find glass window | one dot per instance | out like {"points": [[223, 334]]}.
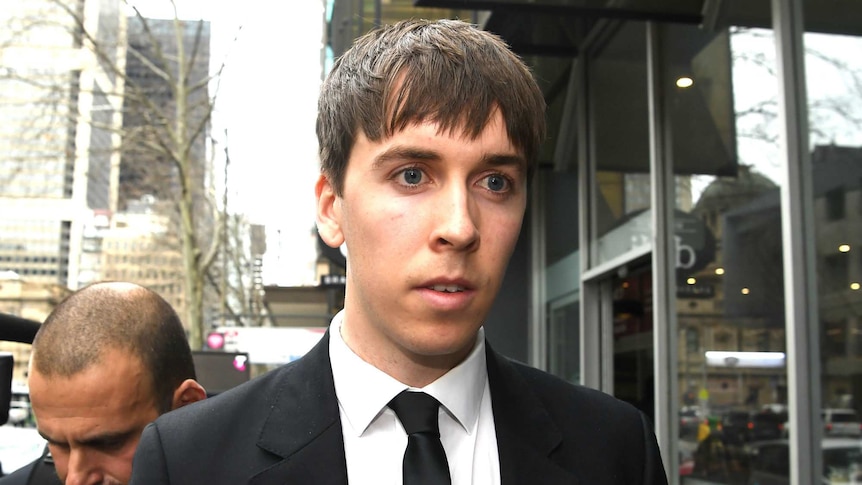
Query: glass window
{"points": [[562, 271], [619, 131], [834, 90], [719, 92]]}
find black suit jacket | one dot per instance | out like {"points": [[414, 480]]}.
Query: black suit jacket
{"points": [[284, 428], [38, 472], [19, 476]]}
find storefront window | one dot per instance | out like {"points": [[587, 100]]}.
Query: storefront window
{"points": [[719, 90], [620, 188], [834, 84], [562, 283]]}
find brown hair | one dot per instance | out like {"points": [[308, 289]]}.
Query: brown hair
{"points": [[115, 315], [446, 71]]}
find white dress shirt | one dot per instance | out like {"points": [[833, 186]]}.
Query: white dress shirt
{"points": [[374, 440]]}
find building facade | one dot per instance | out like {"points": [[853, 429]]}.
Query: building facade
{"points": [[30, 300], [157, 67], [138, 245], [692, 237], [60, 109]]}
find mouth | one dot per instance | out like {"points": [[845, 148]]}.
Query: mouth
{"points": [[447, 288], [447, 294]]}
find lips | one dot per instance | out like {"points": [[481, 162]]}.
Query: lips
{"points": [[447, 294], [447, 288], [447, 285]]}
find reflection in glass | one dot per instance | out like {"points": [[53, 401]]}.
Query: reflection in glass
{"points": [[834, 83], [620, 134], [562, 260], [632, 338], [729, 276]]}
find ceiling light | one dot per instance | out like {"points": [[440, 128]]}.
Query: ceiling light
{"points": [[718, 358], [684, 82], [844, 248]]}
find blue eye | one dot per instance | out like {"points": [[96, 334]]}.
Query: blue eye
{"points": [[496, 183], [412, 176]]}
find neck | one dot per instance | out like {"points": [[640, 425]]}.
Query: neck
{"points": [[414, 369]]}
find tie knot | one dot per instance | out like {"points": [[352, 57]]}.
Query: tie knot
{"points": [[417, 412]]}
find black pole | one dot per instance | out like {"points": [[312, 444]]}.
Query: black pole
{"points": [[17, 329]]}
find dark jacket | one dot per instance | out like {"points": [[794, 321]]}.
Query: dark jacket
{"points": [[38, 472], [284, 428]]}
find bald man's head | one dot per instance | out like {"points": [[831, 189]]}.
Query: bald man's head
{"points": [[116, 315]]}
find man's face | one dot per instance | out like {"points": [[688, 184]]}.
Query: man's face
{"points": [[94, 419], [430, 220]]}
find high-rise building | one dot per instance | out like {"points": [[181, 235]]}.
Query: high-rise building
{"points": [[59, 111], [138, 245], [155, 65]]}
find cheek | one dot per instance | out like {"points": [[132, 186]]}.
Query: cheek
{"points": [[119, 465], [61, 460], [381, 229], [503, 231]]}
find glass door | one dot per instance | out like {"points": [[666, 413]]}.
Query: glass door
{"points": [[631, 339]]}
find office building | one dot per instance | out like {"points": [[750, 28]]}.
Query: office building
{"points": [[60, 110]]}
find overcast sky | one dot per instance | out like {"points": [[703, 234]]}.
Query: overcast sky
{"points": [[267, 103]]}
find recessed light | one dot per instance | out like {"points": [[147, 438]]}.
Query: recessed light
{"points": [[684, 82]]}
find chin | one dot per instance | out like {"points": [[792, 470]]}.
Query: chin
{"points": [[445, 345]]}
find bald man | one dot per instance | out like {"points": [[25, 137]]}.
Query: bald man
{"points": [[108, 360]]}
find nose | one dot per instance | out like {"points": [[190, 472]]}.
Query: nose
{"points": [[80, 471], [457, 226]]}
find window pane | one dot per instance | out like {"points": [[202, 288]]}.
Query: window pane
{"points": [[618, 110], [834, 83], [720, 105]]}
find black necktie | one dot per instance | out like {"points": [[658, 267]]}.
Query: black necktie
{"points": [[424, 459]]}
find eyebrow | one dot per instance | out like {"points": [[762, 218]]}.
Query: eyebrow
{"points": [[401, 152], [97, 441], [500, 160], [413, 153]]}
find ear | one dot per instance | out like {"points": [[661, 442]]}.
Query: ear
{"points": [[328, 213], [188, 392]]}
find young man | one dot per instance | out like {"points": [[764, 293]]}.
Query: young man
{"points": [[107, 361], [428, 133]]}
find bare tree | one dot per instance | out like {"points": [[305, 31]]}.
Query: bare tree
{"points": [[168, 111], [830, 111], [35, 97], [168, 95], [237, 277]]}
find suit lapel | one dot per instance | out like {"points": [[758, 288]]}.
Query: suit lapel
{"points": [[303, 425], [526, 434], [306, 432]]}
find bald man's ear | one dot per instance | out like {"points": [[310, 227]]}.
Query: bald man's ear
{"points": [[188, 392]]}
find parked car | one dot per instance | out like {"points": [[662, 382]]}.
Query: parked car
{"points": [[739, 427], [767, 425], [19, 412], [841, 422], [735, 427], [690, 418], [842, 462]]}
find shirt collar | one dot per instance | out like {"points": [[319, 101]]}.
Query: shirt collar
{"points": [[364, 391]]}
